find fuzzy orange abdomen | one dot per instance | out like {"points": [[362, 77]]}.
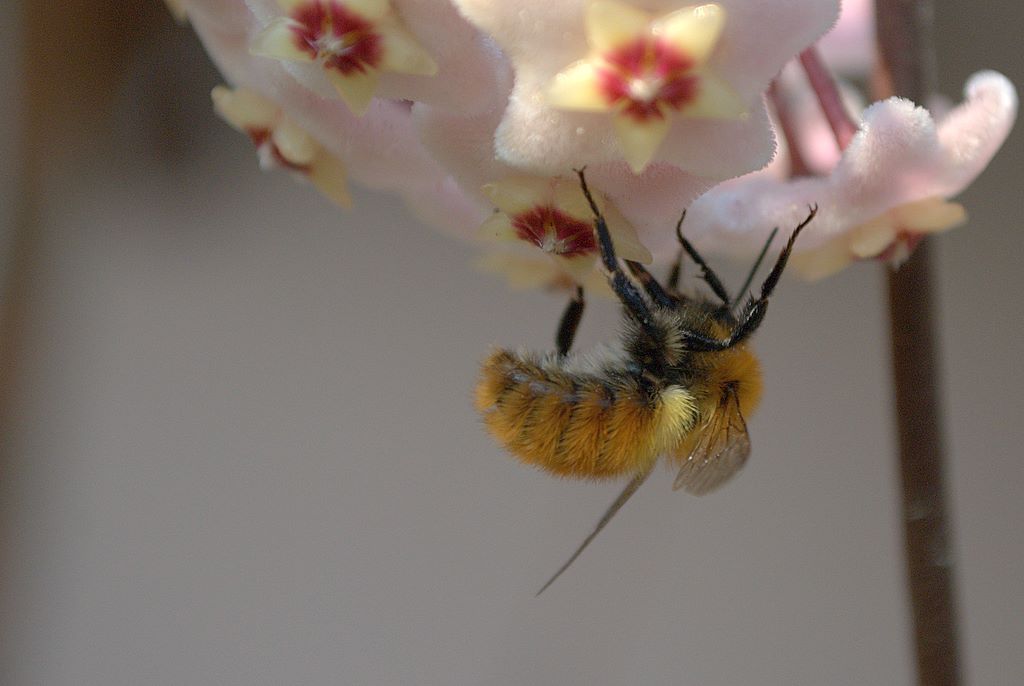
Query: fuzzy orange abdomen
{"points": [[579, 425]]}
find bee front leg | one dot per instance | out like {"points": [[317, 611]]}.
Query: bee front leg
{"points": [[651, 285], [631, 298], [706, 272]]}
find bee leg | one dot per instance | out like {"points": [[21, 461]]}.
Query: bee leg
{"points": [[569, 323], [672, 283], [757, 265], [753, 312], [651, 285], [631, 298], [706, 272]]}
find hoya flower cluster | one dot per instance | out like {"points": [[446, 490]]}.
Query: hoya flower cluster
{"points": [[476, 112]]}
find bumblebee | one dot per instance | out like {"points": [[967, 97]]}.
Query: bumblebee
{"points": [[680, 385]]}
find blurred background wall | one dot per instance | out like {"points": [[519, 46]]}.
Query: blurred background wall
{"points": [[238, 446]]}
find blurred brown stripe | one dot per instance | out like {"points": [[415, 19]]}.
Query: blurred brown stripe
{"points": [[72, 56]]}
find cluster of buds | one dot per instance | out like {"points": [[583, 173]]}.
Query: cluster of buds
{"points": [[476, 112]]}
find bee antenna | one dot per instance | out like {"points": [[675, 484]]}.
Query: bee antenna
{"points": [[757, 265]]}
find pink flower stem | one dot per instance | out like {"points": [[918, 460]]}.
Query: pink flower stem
{"points": [[824, 86], [908, 69], [784, 113]]}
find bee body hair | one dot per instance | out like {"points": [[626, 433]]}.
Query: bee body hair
{"points": [[597, 417]]}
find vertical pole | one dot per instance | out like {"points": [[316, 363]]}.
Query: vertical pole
{"points": [[908, 70]]}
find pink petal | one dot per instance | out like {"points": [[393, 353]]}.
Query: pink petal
{"points": [[652, 202], [379, 150], [463, 145], [972, 133], [442, 204], [849, 47], [899, 156], [470, 68], [535, 137], [760, 37], [541, 38]]}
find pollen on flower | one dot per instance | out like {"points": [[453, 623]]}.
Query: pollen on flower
{"points": [[351, 41]]}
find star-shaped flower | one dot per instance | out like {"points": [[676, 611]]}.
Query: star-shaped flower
{"points": [[886, 191], [280, 143], [645, 70], [543, 39], [352, 41], [554, 215]]}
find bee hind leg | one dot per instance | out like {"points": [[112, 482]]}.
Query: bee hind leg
{"points": [[569, 323]]}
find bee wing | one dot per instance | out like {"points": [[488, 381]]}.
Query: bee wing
{"points": [[721, 450]]}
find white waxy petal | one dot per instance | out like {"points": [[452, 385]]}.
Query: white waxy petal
{"points": [[403, 54], [533, 270], [328, 175], [277, 40], [822, 262], [521, 271], [290, 6], [694, 31], [579, 267], [518, 194], [931, 215], [611, 24], [627, 243], [368, 9], [498, 227], [244, 109], [873, 238], [356, 88], [294, 144], [715, 100], [576, 88], [640, 140], [568, 197]]}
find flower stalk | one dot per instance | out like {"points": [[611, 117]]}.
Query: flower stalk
{"points": [[787, 125], [824, 87], [908, 69]]}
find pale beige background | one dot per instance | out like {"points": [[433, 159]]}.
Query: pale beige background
{"points": [[246, 452]]}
